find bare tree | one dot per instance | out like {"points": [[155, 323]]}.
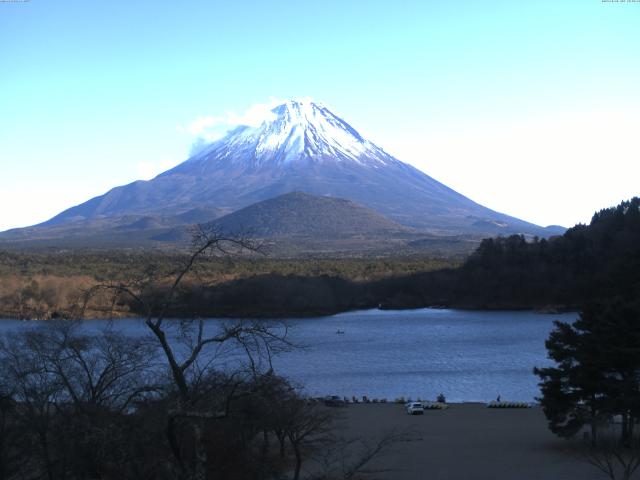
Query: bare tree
{"points": [[616, 459], [307, 427], [11, 435], [107, 370], [184, 354], [354, 458], [68, 392], [35, 391]]}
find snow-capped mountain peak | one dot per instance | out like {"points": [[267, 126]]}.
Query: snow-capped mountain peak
{"points": [[300, 147], [299, 130]]}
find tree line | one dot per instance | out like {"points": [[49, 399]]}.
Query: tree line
{"points": [[49, 285], [592, 261], [588, 261]]}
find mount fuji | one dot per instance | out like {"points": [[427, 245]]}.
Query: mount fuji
{"points": [[302, 147]]}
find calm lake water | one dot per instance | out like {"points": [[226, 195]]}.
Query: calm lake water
{"points": [[467, 355]]}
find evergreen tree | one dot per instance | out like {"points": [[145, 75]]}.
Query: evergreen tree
{"points": [[598, 370]]}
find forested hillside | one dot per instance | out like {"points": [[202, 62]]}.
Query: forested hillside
{"points": [[589, 262], [598, 260]]}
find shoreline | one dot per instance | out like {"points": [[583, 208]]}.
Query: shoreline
{"points": [[287, 314]]}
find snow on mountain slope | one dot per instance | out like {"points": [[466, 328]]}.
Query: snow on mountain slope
{"points": [[298, 131], [302, 147]]}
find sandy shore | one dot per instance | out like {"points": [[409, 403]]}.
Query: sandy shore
{"points": [[469, 442]]}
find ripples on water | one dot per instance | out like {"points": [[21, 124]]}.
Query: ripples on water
{"points": [[467, 355]]}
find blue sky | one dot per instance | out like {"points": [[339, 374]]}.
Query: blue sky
{"points": [[529, 107]]}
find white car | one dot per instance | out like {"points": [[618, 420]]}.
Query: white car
{"points": [[415, 408]]}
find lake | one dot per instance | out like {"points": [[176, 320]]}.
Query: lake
{"points": [[466, 355]]}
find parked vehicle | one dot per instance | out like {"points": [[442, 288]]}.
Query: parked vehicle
{"points": [[415, 408]]}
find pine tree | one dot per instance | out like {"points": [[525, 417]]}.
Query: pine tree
{"points": [[597, 372]]}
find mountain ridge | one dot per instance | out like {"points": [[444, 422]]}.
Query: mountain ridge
{"points": [[302, 147]]}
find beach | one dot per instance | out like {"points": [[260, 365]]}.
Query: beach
{"points": [[468, 441]]}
